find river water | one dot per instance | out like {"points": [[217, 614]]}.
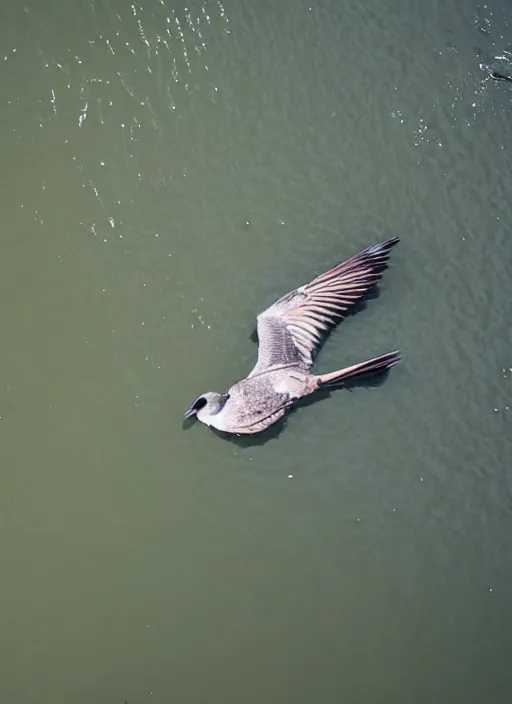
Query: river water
{"points": [[169, 169]]}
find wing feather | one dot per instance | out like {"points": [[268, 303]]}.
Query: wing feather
{"points": [[291, 331]]}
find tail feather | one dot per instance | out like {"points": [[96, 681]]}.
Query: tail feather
{"points": [[376, 365]]}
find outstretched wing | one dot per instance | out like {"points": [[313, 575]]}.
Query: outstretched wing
{"points": [[291, 330]]}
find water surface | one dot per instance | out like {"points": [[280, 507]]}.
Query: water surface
{"points": [[168, 170]]}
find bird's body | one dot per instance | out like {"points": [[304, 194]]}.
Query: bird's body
{"points": [[290, 333], [255, 403]]}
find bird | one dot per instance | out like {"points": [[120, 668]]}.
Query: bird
{"points": [[290, 334]]}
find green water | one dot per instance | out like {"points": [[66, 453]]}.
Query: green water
{"points": [[167, 171]]}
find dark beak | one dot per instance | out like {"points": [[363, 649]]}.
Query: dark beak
{"points": [[191, 412]]}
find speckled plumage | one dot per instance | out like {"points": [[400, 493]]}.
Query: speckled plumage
{"points": [[290, 333]]}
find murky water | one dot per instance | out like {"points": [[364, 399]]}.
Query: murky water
{"points": [[167, 171]]}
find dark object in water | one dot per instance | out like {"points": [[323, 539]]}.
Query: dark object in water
{"points": [[498, 76]]}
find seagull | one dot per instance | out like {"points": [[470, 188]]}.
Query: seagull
{"points": [[290, 333]]}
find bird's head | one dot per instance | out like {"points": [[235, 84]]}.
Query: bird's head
{"points": [[206, 405]]}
